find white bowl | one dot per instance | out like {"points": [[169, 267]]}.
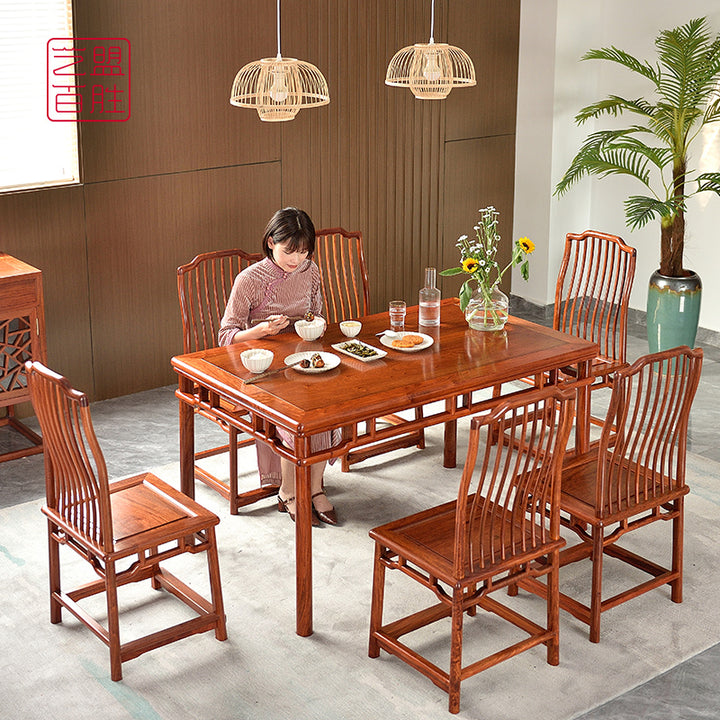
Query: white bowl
{"points": [[310, 329], [350, 328], [257, 360]]}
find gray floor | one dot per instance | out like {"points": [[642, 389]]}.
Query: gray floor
{"points": [[147, 423]]}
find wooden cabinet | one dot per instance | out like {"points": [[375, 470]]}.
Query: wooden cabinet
{"points": [[22, 338]]}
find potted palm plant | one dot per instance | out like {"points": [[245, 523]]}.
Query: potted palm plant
{"points": [[655, 150]]}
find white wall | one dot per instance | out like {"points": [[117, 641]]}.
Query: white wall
{"points": [[552, 86]]}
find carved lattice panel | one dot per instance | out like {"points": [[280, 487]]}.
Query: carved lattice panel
{"points": [[15, 350]]}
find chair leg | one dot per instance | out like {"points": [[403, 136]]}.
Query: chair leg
{"points": [[678, 530], [232, 452], [215, 585], [154, 582], [421, 433], [472, 610], [378, 599], [54, 574], [113, 621], [455, 674], [512, 588], [596, 590], [553, 609]]}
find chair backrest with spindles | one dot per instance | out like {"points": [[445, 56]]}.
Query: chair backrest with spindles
{"points": [[345, 290], [592, 293], [76, 480], [643, 443], [204, 286], [511, 478]]}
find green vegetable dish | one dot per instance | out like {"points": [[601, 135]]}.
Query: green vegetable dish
{"points": [[359, 349]]}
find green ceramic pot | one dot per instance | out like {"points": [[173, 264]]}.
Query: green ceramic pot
{"points": [[673, 310]]}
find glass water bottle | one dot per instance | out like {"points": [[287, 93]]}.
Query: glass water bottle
{"points": [[429, 300]]}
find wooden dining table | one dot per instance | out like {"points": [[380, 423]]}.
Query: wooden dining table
{"points": [[441, 380]]}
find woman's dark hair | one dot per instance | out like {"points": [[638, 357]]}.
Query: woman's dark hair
{"points": [[291, 226]]}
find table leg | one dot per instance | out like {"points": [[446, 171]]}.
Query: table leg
{"points": [[450, 454], [582, 411], [187, 443], [303, 551]]}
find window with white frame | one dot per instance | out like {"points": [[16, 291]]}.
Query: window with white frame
{"points": [[34, 150]]}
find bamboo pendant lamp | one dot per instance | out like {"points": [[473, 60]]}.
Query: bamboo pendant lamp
{"points": [[279, 87], [431, 70]]}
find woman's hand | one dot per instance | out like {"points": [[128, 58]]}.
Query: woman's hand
{"points": [[271, 326], [274, 324]]}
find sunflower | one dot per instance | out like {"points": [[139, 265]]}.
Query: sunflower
{"points": [[526, 245], [470, 265]]}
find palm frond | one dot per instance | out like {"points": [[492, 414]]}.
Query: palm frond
{"points": [[614, 105], [712, 111], [610, 152], [623, 58], [661, 157], [640, 209], [710, 182], [686, 77]]}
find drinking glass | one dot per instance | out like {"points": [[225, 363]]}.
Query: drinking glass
{"points": [[397, 315]]}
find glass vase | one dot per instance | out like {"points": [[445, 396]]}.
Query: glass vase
{"points": [[487, 310]]}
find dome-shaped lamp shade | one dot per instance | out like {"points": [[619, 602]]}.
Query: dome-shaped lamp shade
{"points": [[430, 70], [279, 87]]}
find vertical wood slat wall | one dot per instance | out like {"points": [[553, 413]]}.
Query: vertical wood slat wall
{"points": [[190, 173]]}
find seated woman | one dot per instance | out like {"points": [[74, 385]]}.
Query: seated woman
{"points": [[284, 284]]}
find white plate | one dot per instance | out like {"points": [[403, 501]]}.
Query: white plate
{"points": [[388, 341], [331, 361], [352, 341]]}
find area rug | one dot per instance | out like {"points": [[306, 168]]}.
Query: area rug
{"points": [[264, 670]]}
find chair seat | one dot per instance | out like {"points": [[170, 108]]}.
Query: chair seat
{"points": [[147, 511], [600, 368], [579, 491], [427, 539]]}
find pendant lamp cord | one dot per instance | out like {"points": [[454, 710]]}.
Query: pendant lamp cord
{"points": [[432, 22], [279, 56]]}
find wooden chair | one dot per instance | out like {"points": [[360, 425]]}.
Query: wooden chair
{"points": [[124, 529], [592, 296], [345, 287], [485, 540], [346, 295], [204, 286], [636, 476]]}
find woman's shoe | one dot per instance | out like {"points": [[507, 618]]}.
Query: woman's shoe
{"points": [[283, 508], [327, 516]]}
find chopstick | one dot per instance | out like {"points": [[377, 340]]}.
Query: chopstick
{"points": [[268, 373], [255, 321]]}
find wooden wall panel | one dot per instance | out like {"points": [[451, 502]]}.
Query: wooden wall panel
{"points": [[184, 58], [45, 229], [486, 165], [139, 232], [490, 33]]}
